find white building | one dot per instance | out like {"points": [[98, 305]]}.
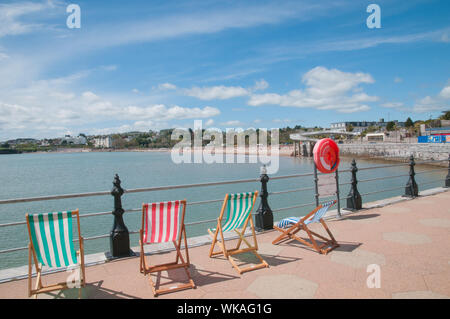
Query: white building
{"points": [[103, 142], [79, 140]]}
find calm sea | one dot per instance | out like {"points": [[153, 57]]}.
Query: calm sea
{"points": [[29, 175]]}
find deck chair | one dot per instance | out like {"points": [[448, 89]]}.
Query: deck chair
{"points": [[290, 226], [164, 222], [239, 214], [51, 244]]}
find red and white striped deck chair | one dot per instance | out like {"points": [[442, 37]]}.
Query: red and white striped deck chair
{"points": [[164, 222]]}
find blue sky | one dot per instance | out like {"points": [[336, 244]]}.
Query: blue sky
{"points": [[141, 65]]}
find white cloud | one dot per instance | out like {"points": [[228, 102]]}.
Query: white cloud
{"points": [[445, 93], [222, 92], [440, 102], [216, 92], [51, 108], [392, 104], [3, 56], [445, 37], [234, 123], [203, 20], [325, 90], [209, 122], [89, 96], [361, 108], [166, 86], [260, 85], [11, 14], [109, 67]]}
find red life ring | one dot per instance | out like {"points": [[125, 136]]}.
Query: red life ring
{"points": [[326, 155]]}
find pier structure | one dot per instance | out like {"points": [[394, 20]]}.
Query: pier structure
{"points": [[304, 142]]}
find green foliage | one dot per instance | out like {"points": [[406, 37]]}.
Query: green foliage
{"points": [[390, 126], [409, 122], [445, 116]]}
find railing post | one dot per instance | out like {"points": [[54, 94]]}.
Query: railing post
{"points": [[447, 179], [316, 185], [338, 197], [119, 236], [263, 215], [411, 189], [354, 201]]}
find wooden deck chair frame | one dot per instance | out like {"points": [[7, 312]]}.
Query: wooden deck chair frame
{"points": [[291, 233], [179, 262], [32, 257], [229, 253]]}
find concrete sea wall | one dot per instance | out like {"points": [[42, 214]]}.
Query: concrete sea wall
{"points": [[398, 150]]}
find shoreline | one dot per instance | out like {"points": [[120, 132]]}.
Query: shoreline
{"points": [[284, 150]]}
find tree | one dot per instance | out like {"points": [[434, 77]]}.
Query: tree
{"points": [[445, 116], [390, 126], [349, 128], [409, 122]]}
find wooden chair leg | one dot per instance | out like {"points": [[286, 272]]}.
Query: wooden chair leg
{"points": [[213, 243], [328, 231], [83, 266], [30, 272]]}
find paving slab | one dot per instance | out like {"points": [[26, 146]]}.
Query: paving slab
{"points": [[407, 238]]}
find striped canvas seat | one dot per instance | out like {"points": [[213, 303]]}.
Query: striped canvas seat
{"points": [[52, 239], [164, 222], [239, 207], [161, 222], [291, 226], [286, 222]]}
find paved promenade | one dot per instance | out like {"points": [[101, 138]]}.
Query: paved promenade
{"points": [[409, 240]]}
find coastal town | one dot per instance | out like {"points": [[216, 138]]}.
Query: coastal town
{"points": [[381, 131]]}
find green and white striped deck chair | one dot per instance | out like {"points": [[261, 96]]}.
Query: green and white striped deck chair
{"points": [[238, 208], [51, 245]]}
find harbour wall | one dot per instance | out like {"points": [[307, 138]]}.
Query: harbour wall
{"points": [[425, 151]]}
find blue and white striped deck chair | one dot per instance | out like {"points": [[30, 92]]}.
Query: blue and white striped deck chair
{"points": [[51, 245], [290, 226], [238, 208]]}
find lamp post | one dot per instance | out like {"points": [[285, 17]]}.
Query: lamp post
{"points": [[264, 216], [119, 238], [354, 201], [447, 178], [411, 188]]}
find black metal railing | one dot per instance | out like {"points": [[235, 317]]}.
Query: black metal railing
{"points": [[119, 235]]}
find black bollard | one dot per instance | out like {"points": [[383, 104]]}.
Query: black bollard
{"points": [[354, 201], [447, 179], [411, 189], [263, 215], [119, 236]]}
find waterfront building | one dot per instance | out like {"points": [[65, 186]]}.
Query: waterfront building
{"points": [[19, 141], [79, 140], [375, 137], [103, 142], [361, 126]]}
